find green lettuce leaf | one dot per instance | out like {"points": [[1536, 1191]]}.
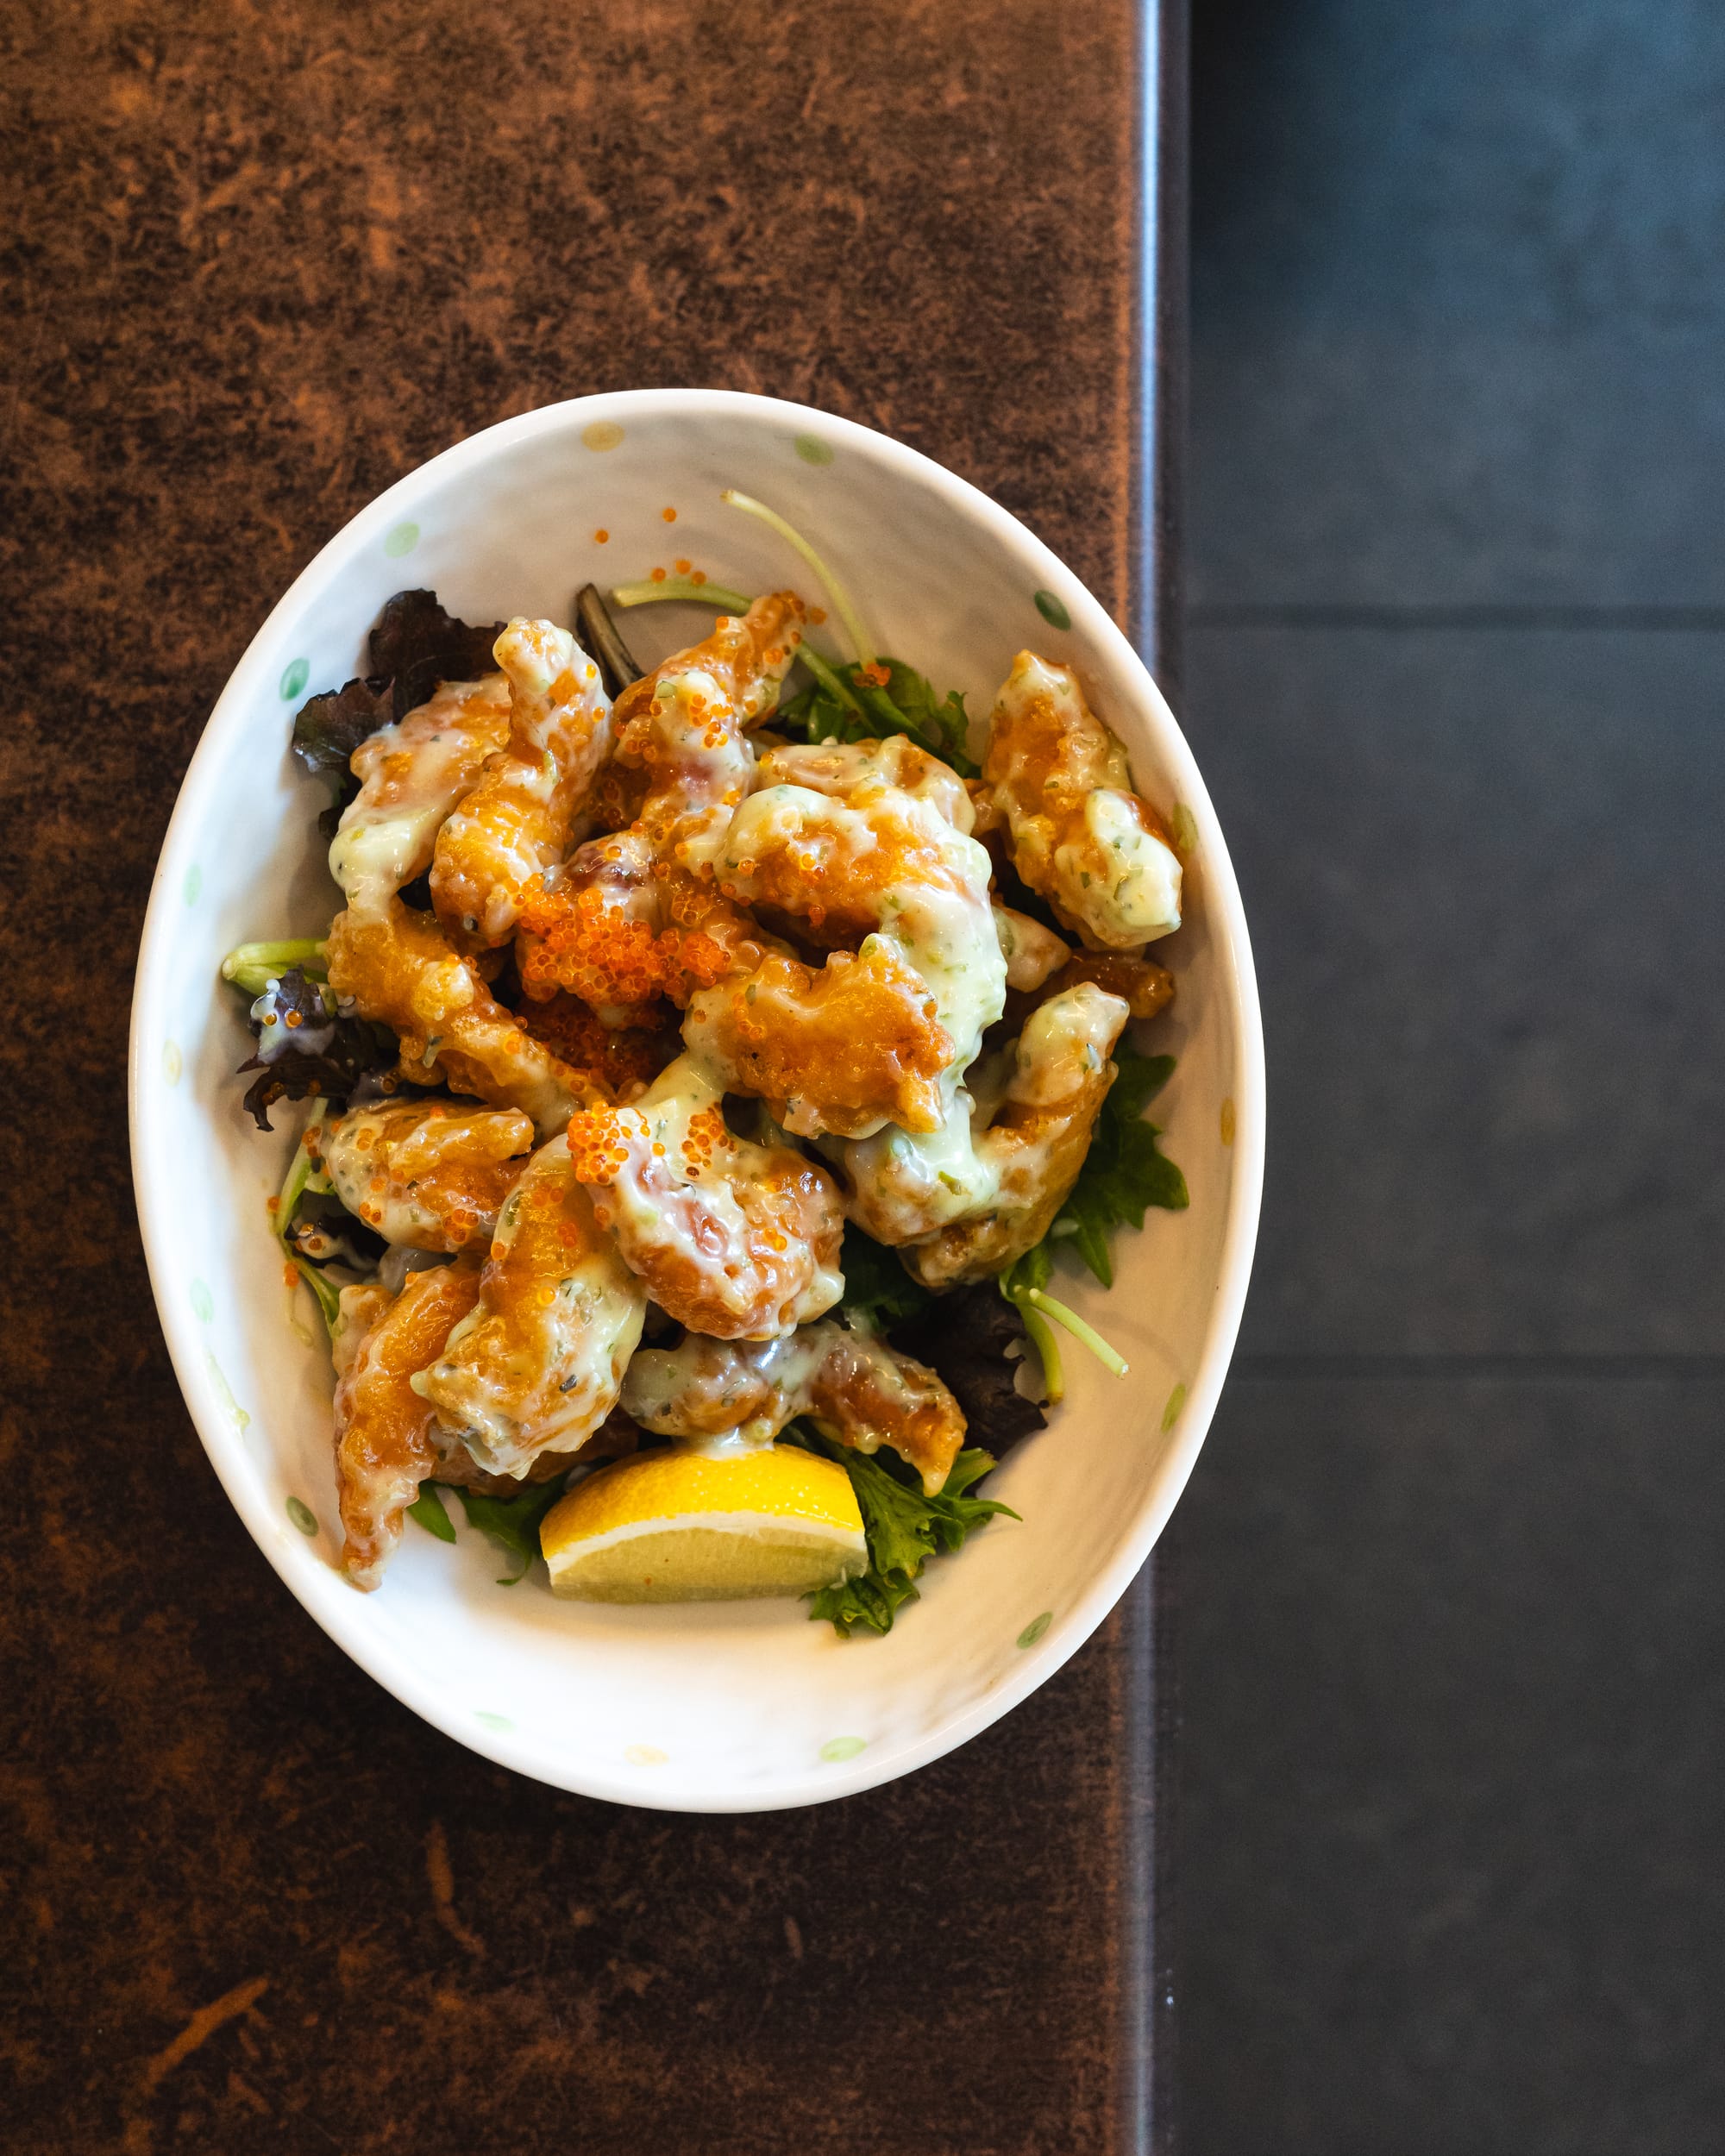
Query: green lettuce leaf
{"points": [[879, 1293], [1125, 1171], [904, 1526], [428, 1509], [512, 1523], [845, 703]]}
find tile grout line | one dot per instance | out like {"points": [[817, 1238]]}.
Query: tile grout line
{"points": [[1650, 619], [1497, 1369]]}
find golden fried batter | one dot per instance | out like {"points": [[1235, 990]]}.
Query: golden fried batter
{"points": [[869, 1036], [401, 969], [423, 1173], [1143, 986], [686, 723], [1033, 1150], [384, 1448], [411, 775], [855, 1388], [613, 928], [536, 1366], [841, 1050], [733, 1239], [1081, 837]]}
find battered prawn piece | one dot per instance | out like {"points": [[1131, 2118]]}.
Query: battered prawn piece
{"points": [[384, 1444], [1143, 986], [855, 1389], [411, 775], [401, 969], [610, 929], [422, 1173], [1081, 837], [1032, 952], [845, 768], [886, 865], [686, 723], [519, 819], [357, 1310], [843, 1050], [732, 1239], [536, 1365], [974, 1195]]}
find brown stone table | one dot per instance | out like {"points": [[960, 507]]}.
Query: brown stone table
{"points": [[262, 257]]}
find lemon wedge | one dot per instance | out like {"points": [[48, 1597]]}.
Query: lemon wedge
{"points": [[671, 1526]]}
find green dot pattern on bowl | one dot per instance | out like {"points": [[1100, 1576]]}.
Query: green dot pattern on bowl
{"points": [[302, 1515], [1034, 1630], [813, 450], [402, 539], [602, 433], [202, 1302], [1170, 1414], [1053, 608], [294, 679], [645, 1755], [837, 1748], [193, 889], [171, 1061], [492, 1721]]}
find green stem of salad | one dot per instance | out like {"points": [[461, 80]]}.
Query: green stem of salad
{"points": [[254, 966], [680, 587], [301, 1177], [834, 684], [1047, 1347], [325, 1292], [1110, 1358], [298, 1175], [835, 591]]}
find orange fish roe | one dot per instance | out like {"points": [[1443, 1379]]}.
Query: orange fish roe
{"points": [[817, 614], [707, 1135], [602, 534], [658, 576], [683, 567], [876, 672], [599, 1142], [669, 516], [699, 577], [578, 941]]}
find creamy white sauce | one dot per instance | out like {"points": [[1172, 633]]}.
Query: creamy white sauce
{"points": [[412, 774], [550, 1374]]}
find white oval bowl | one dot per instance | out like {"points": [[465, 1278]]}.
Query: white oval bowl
{"points": [[715, 1708]]}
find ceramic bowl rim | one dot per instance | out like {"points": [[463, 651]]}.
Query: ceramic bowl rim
{"points": [[236, 706]]}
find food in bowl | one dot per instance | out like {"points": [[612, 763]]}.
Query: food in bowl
{"points": [[703, 1069]]}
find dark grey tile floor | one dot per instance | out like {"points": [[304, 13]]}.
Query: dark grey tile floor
{"points": [[1456, 1701], [1453, 1876]]}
